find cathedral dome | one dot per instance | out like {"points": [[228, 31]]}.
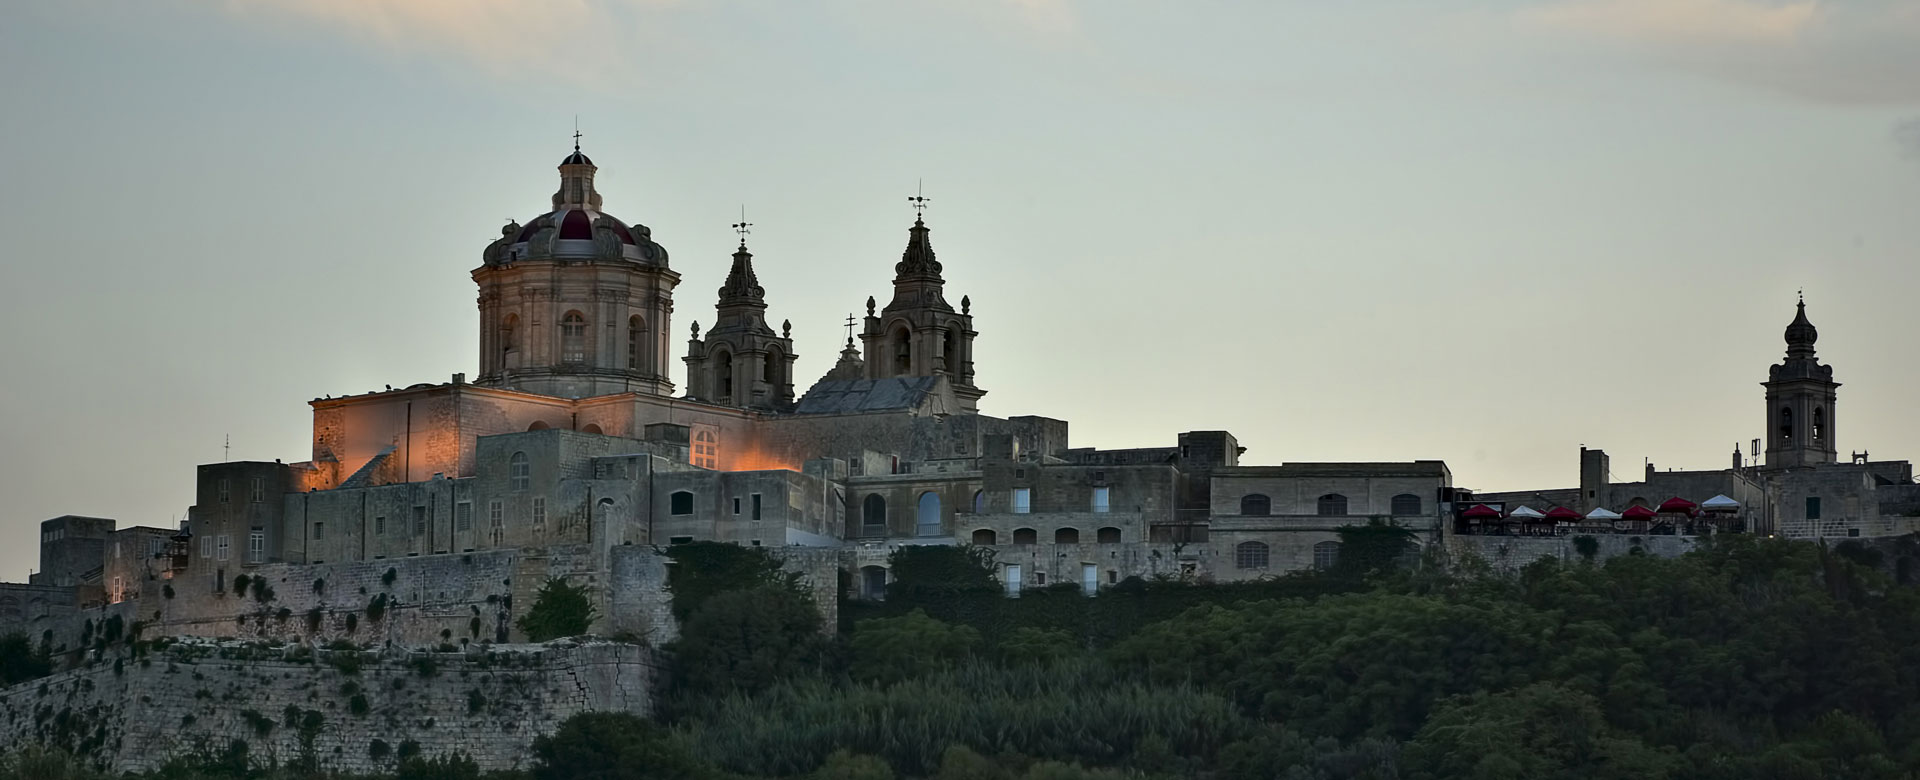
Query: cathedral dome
{"points": [[576, 159], [577, 233]]}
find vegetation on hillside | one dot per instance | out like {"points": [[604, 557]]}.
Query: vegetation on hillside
{"points": [[1749, 658]]}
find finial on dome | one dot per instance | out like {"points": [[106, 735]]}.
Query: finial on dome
{"points": [[966, 305], [919, 199], [743, 227], [1801, 334]]}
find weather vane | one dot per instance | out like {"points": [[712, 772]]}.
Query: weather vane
{"points": [[743, 227], [576, 132], [919, 200]]}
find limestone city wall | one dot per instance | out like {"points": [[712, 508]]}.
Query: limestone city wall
{"points": [[345, 710]]}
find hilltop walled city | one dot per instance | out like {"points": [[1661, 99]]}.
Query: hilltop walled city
{"points": [[571, 453]]}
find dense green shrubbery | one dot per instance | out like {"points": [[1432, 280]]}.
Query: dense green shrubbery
{"points": [[561, 609], [1749, 658]]}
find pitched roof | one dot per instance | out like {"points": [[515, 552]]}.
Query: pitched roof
{"points": [[867, 395]]}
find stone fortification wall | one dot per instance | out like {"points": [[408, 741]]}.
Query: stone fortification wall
{"points": [[353, 711], [1510, 553]]}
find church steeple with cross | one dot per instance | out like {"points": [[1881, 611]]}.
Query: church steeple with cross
{"points": [[919, 334], [742, 362]]}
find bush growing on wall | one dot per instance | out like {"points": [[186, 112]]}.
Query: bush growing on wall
{"points": [[560, 610], [703, 570]]}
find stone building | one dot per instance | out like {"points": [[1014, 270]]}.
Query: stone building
{"points": [[570, 447], [1797, 487]]}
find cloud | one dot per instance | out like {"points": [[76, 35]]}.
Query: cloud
{"points": [[582, 40], [1858, 52], [1906, 135], [1683, 21]]}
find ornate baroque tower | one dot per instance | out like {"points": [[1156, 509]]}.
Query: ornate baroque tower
{"points": [[741, 362], [1800, 395], [575, 303], [919, 333]]}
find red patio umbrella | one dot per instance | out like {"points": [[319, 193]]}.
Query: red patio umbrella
{"points": [[1481, 512], [1561, 513], [1637, 512], [1678, 506]]}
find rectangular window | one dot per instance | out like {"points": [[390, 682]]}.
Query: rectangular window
{"points": [[419, 521], [1100, 496], [259, 489], [257, 547], [496, 522], [736, 506], [756, 506], [539, 513], [1039, 578], [1022, 501], [463, 516], [206, 546], [220, 548], [379, 525], [319, 531], [223, 487], [1013, 580], [1813, 507], [680, 503], [1089, 578]]}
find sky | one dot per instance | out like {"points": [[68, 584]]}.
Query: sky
{"points": [[1484, 232]]}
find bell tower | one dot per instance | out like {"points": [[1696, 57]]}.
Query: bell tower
{"points": [[919, 334], [1800, 401], [741, 362]]}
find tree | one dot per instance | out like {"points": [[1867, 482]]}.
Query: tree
{"points": [[702, 570], [21, 661], [932, 571], [747, 640], [560, 610], [1377, 547], [614, 746], [1540, 732], [895, 649], [846, 765]]}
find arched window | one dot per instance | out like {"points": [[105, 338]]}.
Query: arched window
{"points": [[1025, 536], [1325, 555], [1819, 424], [770, 370], [590, 428], [927, 520], [510, 333], [605, 512], [1406, 504], [979, 501], [1066, 536], [1250, 555], [901, 343], [573, 338], [873, 513], [723, 375], [950, 356], [1786, 424], [519, 471], [1256, 504], [1332, 504], [680, 503], [636, 342], [1108, 535], [1640, 501], [539, 425], [985, 536], [873, 582]]}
